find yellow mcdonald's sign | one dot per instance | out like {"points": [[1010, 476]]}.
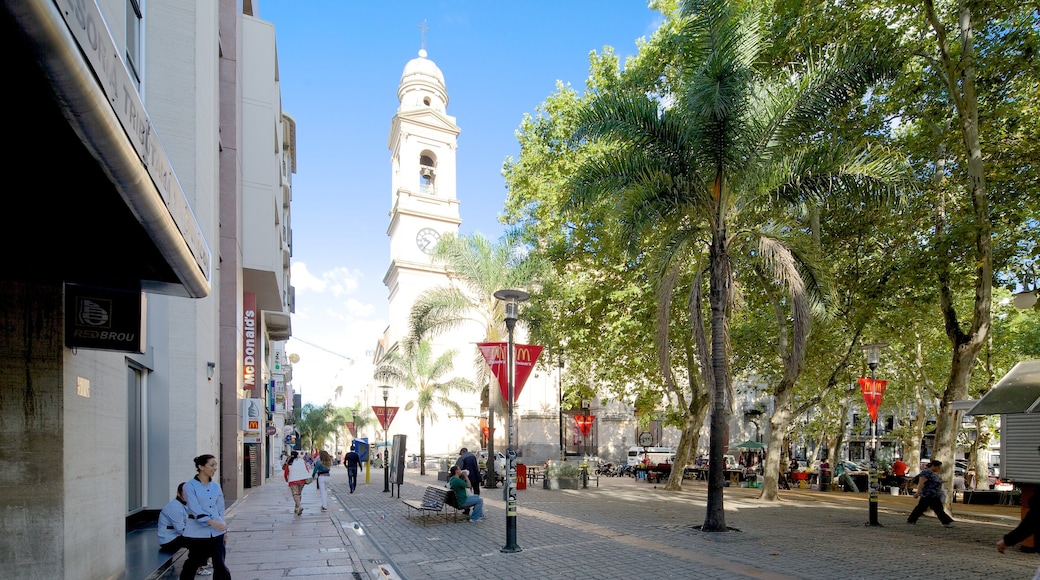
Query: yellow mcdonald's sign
{"points": [[523, 354]]}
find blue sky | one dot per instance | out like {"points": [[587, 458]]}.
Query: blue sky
{"points": [[340, 63]]}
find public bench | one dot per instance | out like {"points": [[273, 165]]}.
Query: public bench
{"points": [[433, 502]]}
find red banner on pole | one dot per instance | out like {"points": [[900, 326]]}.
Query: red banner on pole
{"points": [[495, 355], [350, 427], [584, 423], [385, 415], [873, 390]]}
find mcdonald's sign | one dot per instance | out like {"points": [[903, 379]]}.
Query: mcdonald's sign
{"points": [[526, 355]]}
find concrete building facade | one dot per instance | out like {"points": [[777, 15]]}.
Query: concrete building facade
{"points": [[146, 220]]}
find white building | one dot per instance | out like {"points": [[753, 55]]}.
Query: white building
{"points": [[152, 206]]}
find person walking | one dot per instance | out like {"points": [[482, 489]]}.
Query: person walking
{"points": [[458, 483], [296, 475], [929, 490], [173, 518], [352, 460], [322, 472], [1029, 526], [206, 530]]}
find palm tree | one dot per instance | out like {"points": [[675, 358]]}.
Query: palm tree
{"points": [[731, 140], [415, 368], [477, 268], [315, 425]]}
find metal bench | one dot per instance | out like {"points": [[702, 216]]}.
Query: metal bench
{"points": [[433, 502]]}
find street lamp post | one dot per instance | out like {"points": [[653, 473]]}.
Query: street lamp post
{"points": [[560, 379], [386, 425], [873, 351], [512, 298]]}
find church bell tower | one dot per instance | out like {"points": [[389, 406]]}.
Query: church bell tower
{"points": [[423, 203]]}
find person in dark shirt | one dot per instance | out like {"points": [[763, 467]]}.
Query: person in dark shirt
{"points": [[1029, 526], [929, 490], [468, 461], [352, 460]]}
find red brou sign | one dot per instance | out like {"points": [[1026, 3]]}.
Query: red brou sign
{"points": [[495, 356], [350, 427], [385, 415], [873, 390]]}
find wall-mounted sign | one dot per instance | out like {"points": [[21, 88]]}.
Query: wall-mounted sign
{"points": [[104, 318], [249, 350]]}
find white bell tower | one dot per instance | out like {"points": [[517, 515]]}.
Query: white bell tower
{"points": [[423, 202]]}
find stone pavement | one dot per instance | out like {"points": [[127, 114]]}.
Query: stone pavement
{"points": [[623, 529]]}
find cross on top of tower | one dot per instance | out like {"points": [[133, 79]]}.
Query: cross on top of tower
{"points": [[423, 28]]}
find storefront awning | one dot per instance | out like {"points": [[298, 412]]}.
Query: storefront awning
{"points": [[1017, 392], [100, 203]]}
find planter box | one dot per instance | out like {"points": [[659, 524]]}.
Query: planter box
{"points": [[561, 483]]}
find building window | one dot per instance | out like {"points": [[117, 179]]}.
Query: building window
{"points": [[134, 18]]}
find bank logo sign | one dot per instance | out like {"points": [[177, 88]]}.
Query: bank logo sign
{"points": [[104, 318]]}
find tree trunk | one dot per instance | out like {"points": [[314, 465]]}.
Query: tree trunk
{"points": [[422, 445], [959, 76], [719, 297]]}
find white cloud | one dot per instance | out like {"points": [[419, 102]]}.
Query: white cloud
{"points": [[339, 281]]}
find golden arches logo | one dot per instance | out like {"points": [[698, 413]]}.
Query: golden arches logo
{"points": [[523, 355]]}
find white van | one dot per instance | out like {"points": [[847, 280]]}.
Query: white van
{"points": [[656, 455]]}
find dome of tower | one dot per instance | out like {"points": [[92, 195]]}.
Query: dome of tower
{"points": [[422, 84]]}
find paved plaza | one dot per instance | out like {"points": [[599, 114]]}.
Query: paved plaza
{"points": [[622, 529]]}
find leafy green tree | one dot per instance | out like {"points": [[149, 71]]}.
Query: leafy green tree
{"points": [[477, 268], [315, 425], [733, 139], [415, 368]]}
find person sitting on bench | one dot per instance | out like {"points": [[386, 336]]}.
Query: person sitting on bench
{"points": [[458, 483], [172, 519]]}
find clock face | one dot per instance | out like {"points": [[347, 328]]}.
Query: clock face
{"points": [[426, 239]]}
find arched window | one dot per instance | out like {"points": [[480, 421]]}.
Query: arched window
{"points": [[427, 174]]}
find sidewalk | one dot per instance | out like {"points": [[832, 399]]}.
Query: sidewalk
{"points": [[622, 529]]}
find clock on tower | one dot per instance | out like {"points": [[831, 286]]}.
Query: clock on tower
{"points": [[426, 239]]}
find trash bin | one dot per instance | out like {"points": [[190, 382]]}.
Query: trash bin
{"points": [[521, 476], [825, 478]]}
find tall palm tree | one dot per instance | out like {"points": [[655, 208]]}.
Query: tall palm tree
{"points": [[415, 368], [477, 269], [731, 140]]}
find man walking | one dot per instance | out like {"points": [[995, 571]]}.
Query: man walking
{"points": [[352, 460], [1029, 526], [929, 490]]}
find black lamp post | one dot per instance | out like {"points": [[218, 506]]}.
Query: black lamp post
{"points": [[512, 298], [560, 379], [873, 351], [386, 425]]}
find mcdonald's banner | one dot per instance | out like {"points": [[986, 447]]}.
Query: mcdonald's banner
{"points": [[495, 356], [584, 423], [385, 415], [350, 427], [873, 390]]}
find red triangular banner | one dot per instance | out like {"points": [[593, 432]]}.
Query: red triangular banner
{"points": [[350, 427], [873, 390], [495, 356], [385, 415], [584, 423]]}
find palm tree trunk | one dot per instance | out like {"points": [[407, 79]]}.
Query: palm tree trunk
{"points": [[719, 291], [422, 445]]}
